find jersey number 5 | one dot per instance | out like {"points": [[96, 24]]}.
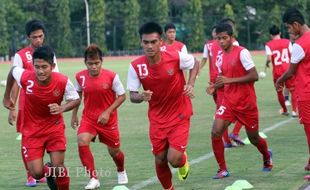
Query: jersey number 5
{"points": [[221, 110]]}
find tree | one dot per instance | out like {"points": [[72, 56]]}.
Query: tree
{"points": [[4, 45], [193, 18], [97, 20], [130, 38], [154, 10]]}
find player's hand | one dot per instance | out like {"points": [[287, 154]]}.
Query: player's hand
{"points": [[55, 109], [210, 89], [278, 86], [220, 81], [12, 117], [189, 91], [103, 118], [8, 103], [147, 95], [75, 122]]}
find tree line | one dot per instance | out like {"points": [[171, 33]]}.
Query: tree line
{"points": [[114, 24]]}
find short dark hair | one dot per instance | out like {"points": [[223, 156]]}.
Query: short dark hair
{"points": [[150, 27], [92, 51], [224, 27], [293, 15], [44, 52], [274, 30], [34, 25], [227, 21], [169, 26]]}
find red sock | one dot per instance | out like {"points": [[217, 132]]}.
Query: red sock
{"points": [[262, 148], [119, 161], [183, 161], [237, 128], [25, 162], [281, 100], [218, 150], [87, 160], [226, 137], [294, 100], [307, 132], [164, 175], [63, 179]]}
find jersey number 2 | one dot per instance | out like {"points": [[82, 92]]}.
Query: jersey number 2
{"points": [[29, 86]]}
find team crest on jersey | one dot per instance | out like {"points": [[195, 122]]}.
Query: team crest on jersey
{"points": [[163, 48], [56, 93], [105, 86], [170, 72]]}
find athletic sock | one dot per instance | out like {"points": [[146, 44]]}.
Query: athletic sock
{"points": [[87, 160], [218, 150], [63, 179], [263, 148], [282, 101], [237, 128], [119, 161], [226, 137], [164, 175], [25, 162]]}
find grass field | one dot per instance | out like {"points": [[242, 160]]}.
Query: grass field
{"points": [[286, 139]]}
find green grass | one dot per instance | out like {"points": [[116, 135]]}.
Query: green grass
{"points": [[287, 142]]}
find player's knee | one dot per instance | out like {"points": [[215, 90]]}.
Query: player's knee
{"points": [[254, 140], [114, 152], [175, 160], [215, 133], [82, 141], [160, 161], [36, 173]]}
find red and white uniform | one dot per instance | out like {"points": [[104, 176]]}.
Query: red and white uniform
{"points": [[301, 56], [239, 102], [100, 92], [23, 59], [169, 108], [41, 129], [176, 45], [280, 52]]}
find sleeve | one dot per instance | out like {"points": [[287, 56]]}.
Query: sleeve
{"points": [[298, 54], [246, 59], [17, 61], [78, 88], [290, 47], [205, 53], [187, 61], [70, 91], [56, 65], [236, 43], [117, 86], [268, 50], [133, 82], [17, 74], [184, 49]]}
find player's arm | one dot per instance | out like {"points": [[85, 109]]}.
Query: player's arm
{"points": [[72, 100], [298, 55], [268, 60], [118, 88], [204, 58], [14, 74], [74, 117]]}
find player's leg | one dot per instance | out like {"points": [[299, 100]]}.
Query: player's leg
{"points": [[59, 170], [119, 160], [87, 158], [218, 128], [177, 157], [282, 102], [290, 86], [226, 139], [287, 97], [235, 133], [160, 150]]}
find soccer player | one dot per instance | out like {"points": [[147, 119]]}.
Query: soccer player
{"points": [[103, 94], [168, 94], [44, 127], [211, 49], [299, 67], [35, 31], [237, 73], [171, 44], [278, 51]]}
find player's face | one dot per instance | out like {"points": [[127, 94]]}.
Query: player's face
{"points": [[224, 40], [171, 34], [36, 38], [43, 70], [93, 65], [151, 44], [293, 29]]}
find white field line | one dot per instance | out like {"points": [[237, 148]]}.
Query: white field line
{"points": [[154, 179]]}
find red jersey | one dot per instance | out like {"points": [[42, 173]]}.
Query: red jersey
{"points": [[99, 93], [279, 50], [168, 105], [175, 46], [301, 56], [213, 48], [38, 120], [235, 64]]}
